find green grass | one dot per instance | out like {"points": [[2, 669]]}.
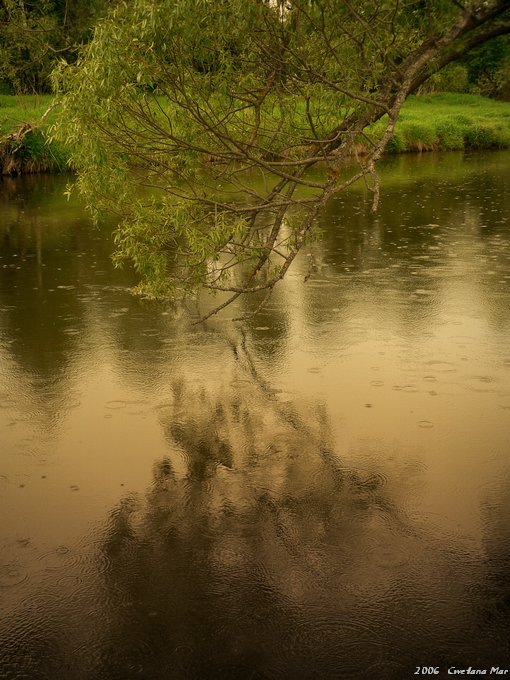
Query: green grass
{"points": [[36, 154], [445, 122], [21, 109]]}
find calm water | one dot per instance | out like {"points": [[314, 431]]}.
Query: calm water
{"points": [[320, 492]]}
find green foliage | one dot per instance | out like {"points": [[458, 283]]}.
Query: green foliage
{"points": [[34, 33], [485, 70], [169, 245], [174, 107], [397, 143], [453, 78], [37, 152], [488, 68]]}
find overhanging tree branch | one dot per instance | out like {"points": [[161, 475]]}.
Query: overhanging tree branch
{"points": [[229, 120]]}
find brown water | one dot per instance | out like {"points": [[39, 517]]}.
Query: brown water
{"points": [[320, 492]]}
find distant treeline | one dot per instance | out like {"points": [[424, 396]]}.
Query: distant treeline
{"points": [[34, 34]]}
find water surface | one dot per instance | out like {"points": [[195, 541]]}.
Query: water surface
{"points": [[321, 491]]}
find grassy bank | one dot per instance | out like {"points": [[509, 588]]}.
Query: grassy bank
{"points": [[428, 123], [24, 147], [451, 122]]}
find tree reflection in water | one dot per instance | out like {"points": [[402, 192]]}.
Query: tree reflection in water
{"points": [[258, 553]]}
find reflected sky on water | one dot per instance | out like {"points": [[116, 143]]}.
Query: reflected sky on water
{"points": [[321, 491]]}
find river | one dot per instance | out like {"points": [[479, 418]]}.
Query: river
{"points": [[319, 491]]}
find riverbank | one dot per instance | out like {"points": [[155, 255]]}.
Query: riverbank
{"points": [[441, 122], [24, 144], [451, 122]]}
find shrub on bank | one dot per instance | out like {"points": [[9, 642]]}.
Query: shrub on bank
{"points": [[450, 135], [420, 136]]}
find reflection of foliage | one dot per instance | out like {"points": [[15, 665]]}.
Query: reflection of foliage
{"points": [[258, 553], [248, 529]]}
